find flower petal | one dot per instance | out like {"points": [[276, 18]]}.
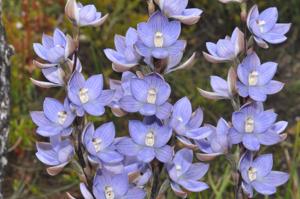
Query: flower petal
{"points": [[177, 190], [238, 121], [171, 32], [211, 95], [53, 171], [127, 147], [182, 110], [251, 142], [279, 127], [85, 192], [264, 121], [219, 85], [39, 118], [177, 47], [146, 154], [40, 50], [59, 38], [54, 75], [273, 38], [263, 164], [199, 133], [139, 89], [94, 108], [270, 17], [164, 134], [247, 189], [94, 84], [148, 109], [135, 193], [164, 111], [106, 132], [196, 118], [51, 108], [110, 156], [281, 28], [190, 16], [173, 7], [184, 158], [267, 72], [164, 154], [193, 186], [129, 104], [269, 138], [258, 93], [120, 184], [214, 59], [276, 178], [196, 171], [273, 87], [106, 97], [99, 21], [261, 43], [137, 131], [263, 188]]}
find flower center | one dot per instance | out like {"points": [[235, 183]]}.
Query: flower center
{"points": [[249, 125], [151, 97], [158, 40], [252, 174], [179, 119], [150, 139], [253, 78], [58, 45], [84, 95], [62, 116], [97, 144], [109, 193], [261, 24], [178, 170]]}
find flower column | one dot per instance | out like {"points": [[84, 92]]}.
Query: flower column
{"points": [[249, 82], [63, 123], [152, 142], [113, 167]]}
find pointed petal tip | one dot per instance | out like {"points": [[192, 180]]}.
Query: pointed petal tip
{"points": [[207, 157], [100, 21], [120, 68], [212, 59], [210, 95], [188, 20], [71, 10], [69, 196], [41, 65], [53, 171], [283, 136], [232, 79], [71, 46], [43, 84]]}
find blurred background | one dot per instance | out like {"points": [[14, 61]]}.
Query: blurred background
{"points": [[26, 20]]}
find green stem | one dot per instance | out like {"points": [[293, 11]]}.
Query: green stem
{"points": [[155, 182], [79, 149], [238, 185], [76, 35]]}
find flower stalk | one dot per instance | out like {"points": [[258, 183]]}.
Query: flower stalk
{"points": [[156, 179]]}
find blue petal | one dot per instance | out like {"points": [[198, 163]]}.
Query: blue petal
{"points": [[164, 154], [193, 186]]}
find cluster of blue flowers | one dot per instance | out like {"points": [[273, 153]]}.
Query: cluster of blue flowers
{"points": [[123, 167], [252, 81]]}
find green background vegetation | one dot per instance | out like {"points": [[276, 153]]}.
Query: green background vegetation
{"points": [[25, 22]]}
